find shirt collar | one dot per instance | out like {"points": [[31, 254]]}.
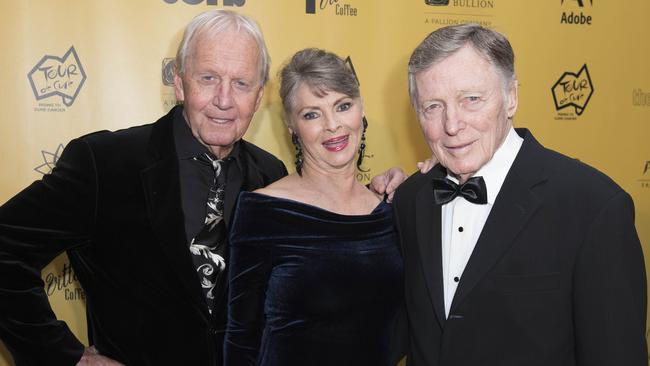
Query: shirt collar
{"points": [[494, 171]]}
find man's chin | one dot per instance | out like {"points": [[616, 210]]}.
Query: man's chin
{"points": [[460, 171], [219, 147]]}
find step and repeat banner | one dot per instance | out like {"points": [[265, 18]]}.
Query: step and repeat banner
{"points": [[75, 66]]}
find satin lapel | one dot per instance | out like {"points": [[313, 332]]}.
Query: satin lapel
{"points": [[160, 181], [427, 215], [513, 208]]}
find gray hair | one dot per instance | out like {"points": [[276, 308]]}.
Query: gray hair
{"points": [[214, 22], [321, 71], [445, 41]]}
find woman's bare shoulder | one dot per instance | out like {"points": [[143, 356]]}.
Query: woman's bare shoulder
{"points": [[282, 188]]}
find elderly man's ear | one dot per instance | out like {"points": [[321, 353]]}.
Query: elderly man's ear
{"points": [[513, 99]]}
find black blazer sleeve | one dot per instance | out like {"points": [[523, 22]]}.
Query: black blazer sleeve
{"points": [[610, 290], [48, 217]]}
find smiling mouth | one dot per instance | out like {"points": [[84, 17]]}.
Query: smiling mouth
{"points": [[221, 120], [460, 148], [336, 143]]}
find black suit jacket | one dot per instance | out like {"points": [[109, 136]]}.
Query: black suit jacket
{"points": [[556, 278], [113, 202]]}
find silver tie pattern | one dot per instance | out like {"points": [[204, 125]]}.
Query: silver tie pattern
{"points": [[208, 247]]}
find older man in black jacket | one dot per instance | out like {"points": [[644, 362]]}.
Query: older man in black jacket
{"points": [[513, 254], [143, 214]]}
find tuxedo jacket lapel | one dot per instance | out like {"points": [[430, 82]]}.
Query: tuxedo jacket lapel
{"points": [[160, 180], [429, 240], [514, 206]]}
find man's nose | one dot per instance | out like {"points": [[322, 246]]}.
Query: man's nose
{"points": [[223, 96], [454, 120]]}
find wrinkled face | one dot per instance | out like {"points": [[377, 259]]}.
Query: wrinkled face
{"points": [[463, 110], [221, 88], [329, 128]]}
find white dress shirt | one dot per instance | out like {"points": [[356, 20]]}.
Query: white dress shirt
{"points": [[463, 221]]}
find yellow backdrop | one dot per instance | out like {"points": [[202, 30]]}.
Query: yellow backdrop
{"points": [[75, 66]]}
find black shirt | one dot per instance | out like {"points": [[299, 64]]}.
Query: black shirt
{"points": [[195, 177]]}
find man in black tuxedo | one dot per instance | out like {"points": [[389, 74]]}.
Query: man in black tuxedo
{"points": [[513, 254], [143, 215]]}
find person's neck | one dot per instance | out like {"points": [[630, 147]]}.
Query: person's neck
{"points": [[220, 152], [462, 178], [336, 185]]}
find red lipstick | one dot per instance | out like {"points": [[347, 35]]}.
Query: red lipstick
{"points": [[336, 143]]}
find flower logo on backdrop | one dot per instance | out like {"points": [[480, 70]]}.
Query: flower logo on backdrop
{"points": [[363, 175], [55, 77], [440, 13], [572, 90], [209, 2], [49, 160], [579, 18], [335, 6]]}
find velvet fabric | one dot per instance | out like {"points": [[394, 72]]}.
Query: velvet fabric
{"points": [[311, 287], [113, 203]]}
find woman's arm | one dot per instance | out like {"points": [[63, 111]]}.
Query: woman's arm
{"points": [[250, 267]]}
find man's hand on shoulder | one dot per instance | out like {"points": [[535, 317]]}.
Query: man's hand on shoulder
{"points": [[387, 182], [425, 166], [91, 357]]}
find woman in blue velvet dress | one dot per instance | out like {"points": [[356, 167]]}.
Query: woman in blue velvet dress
{"points": [[315, 273]]}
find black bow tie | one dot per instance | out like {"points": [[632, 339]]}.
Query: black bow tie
{"points": [[445, 190]]}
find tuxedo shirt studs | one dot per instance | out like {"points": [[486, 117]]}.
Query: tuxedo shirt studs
{"points": [[462, 221]]}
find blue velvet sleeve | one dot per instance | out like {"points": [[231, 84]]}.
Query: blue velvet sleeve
{"points": [[249, 274]]}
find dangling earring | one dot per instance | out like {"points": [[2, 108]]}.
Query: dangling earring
{"points": [[296, 144], [362, 146]]}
